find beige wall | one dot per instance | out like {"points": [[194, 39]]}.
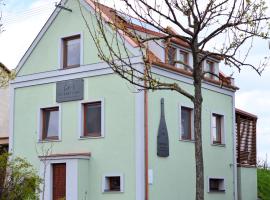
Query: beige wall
{"points": [[4, 112]]}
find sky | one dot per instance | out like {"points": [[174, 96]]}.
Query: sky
{"points": [[23, 19]]}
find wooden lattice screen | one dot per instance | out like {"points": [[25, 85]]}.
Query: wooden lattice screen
{"points": [[246, 138]]}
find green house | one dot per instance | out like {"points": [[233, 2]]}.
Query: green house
{"points": [[84, 128]]}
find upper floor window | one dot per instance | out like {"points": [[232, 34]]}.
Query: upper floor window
{"points": [[92, 119], [71, 51], [184, 59], [210, 68], [217, 129], [50, 123], [186, 123], [171, 55]]}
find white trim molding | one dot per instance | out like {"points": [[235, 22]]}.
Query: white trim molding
{"points": [[105, 184], [81, 118], [95, 69], [139, 145], [235, 181]]}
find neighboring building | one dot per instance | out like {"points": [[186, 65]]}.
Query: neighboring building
{"points": [[84, 128], [246, 154], [4, 110]]}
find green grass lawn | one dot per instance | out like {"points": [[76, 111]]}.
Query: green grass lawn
{"points": [[263, 184]]}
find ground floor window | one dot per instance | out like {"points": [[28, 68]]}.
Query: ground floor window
{"points": [[113, 183], [216, 185]]}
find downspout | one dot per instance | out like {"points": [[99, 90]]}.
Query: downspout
{"points": [[146, 141]]}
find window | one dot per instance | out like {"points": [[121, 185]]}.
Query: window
{"points": [[184, 59], [113, 183], [50, 123], [210, 67], [171, 51], [186, 123], [71, 51], [216, 185], [217, 128], [92, 119]]}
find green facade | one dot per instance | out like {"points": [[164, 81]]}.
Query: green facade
{"points": [[247, 183], [173, 177]]}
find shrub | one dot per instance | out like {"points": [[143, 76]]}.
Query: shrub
{"points": [[18, 179]]}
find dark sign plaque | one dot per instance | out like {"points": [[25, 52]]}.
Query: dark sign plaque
{"points": [[162, 138], [70, 90]]}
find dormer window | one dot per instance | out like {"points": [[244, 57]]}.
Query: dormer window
{"points": [[71, 51], [171, 55], [210, 69], [184, 59]]}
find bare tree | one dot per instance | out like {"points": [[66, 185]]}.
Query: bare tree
{"points": [[43, 152], [200, 23], [5, 74]]}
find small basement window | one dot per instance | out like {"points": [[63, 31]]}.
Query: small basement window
{"points": [[216, 185], [113, 183]]}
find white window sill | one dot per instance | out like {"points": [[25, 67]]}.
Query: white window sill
{"points": [[112, 192], [185, 140], [218, 145], [217, 191], [90, 137], [47, 141]]}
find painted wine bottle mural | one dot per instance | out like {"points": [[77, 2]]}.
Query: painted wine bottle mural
{"points": [[162, 137]]}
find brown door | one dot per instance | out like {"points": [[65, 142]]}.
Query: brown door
{"points": [[59, 181]]}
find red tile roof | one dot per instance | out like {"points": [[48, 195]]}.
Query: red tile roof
{"points": [[113, 16]]}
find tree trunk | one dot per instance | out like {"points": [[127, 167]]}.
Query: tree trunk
{"points": [[197, 76], [198, 144]]}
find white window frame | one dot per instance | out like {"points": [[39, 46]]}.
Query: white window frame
{"points": [[40, 123], [61, 52], [104, 182], [223, 128], [222, 190], [216, 68], [192, 121], [178, 65], [81, 118]]}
